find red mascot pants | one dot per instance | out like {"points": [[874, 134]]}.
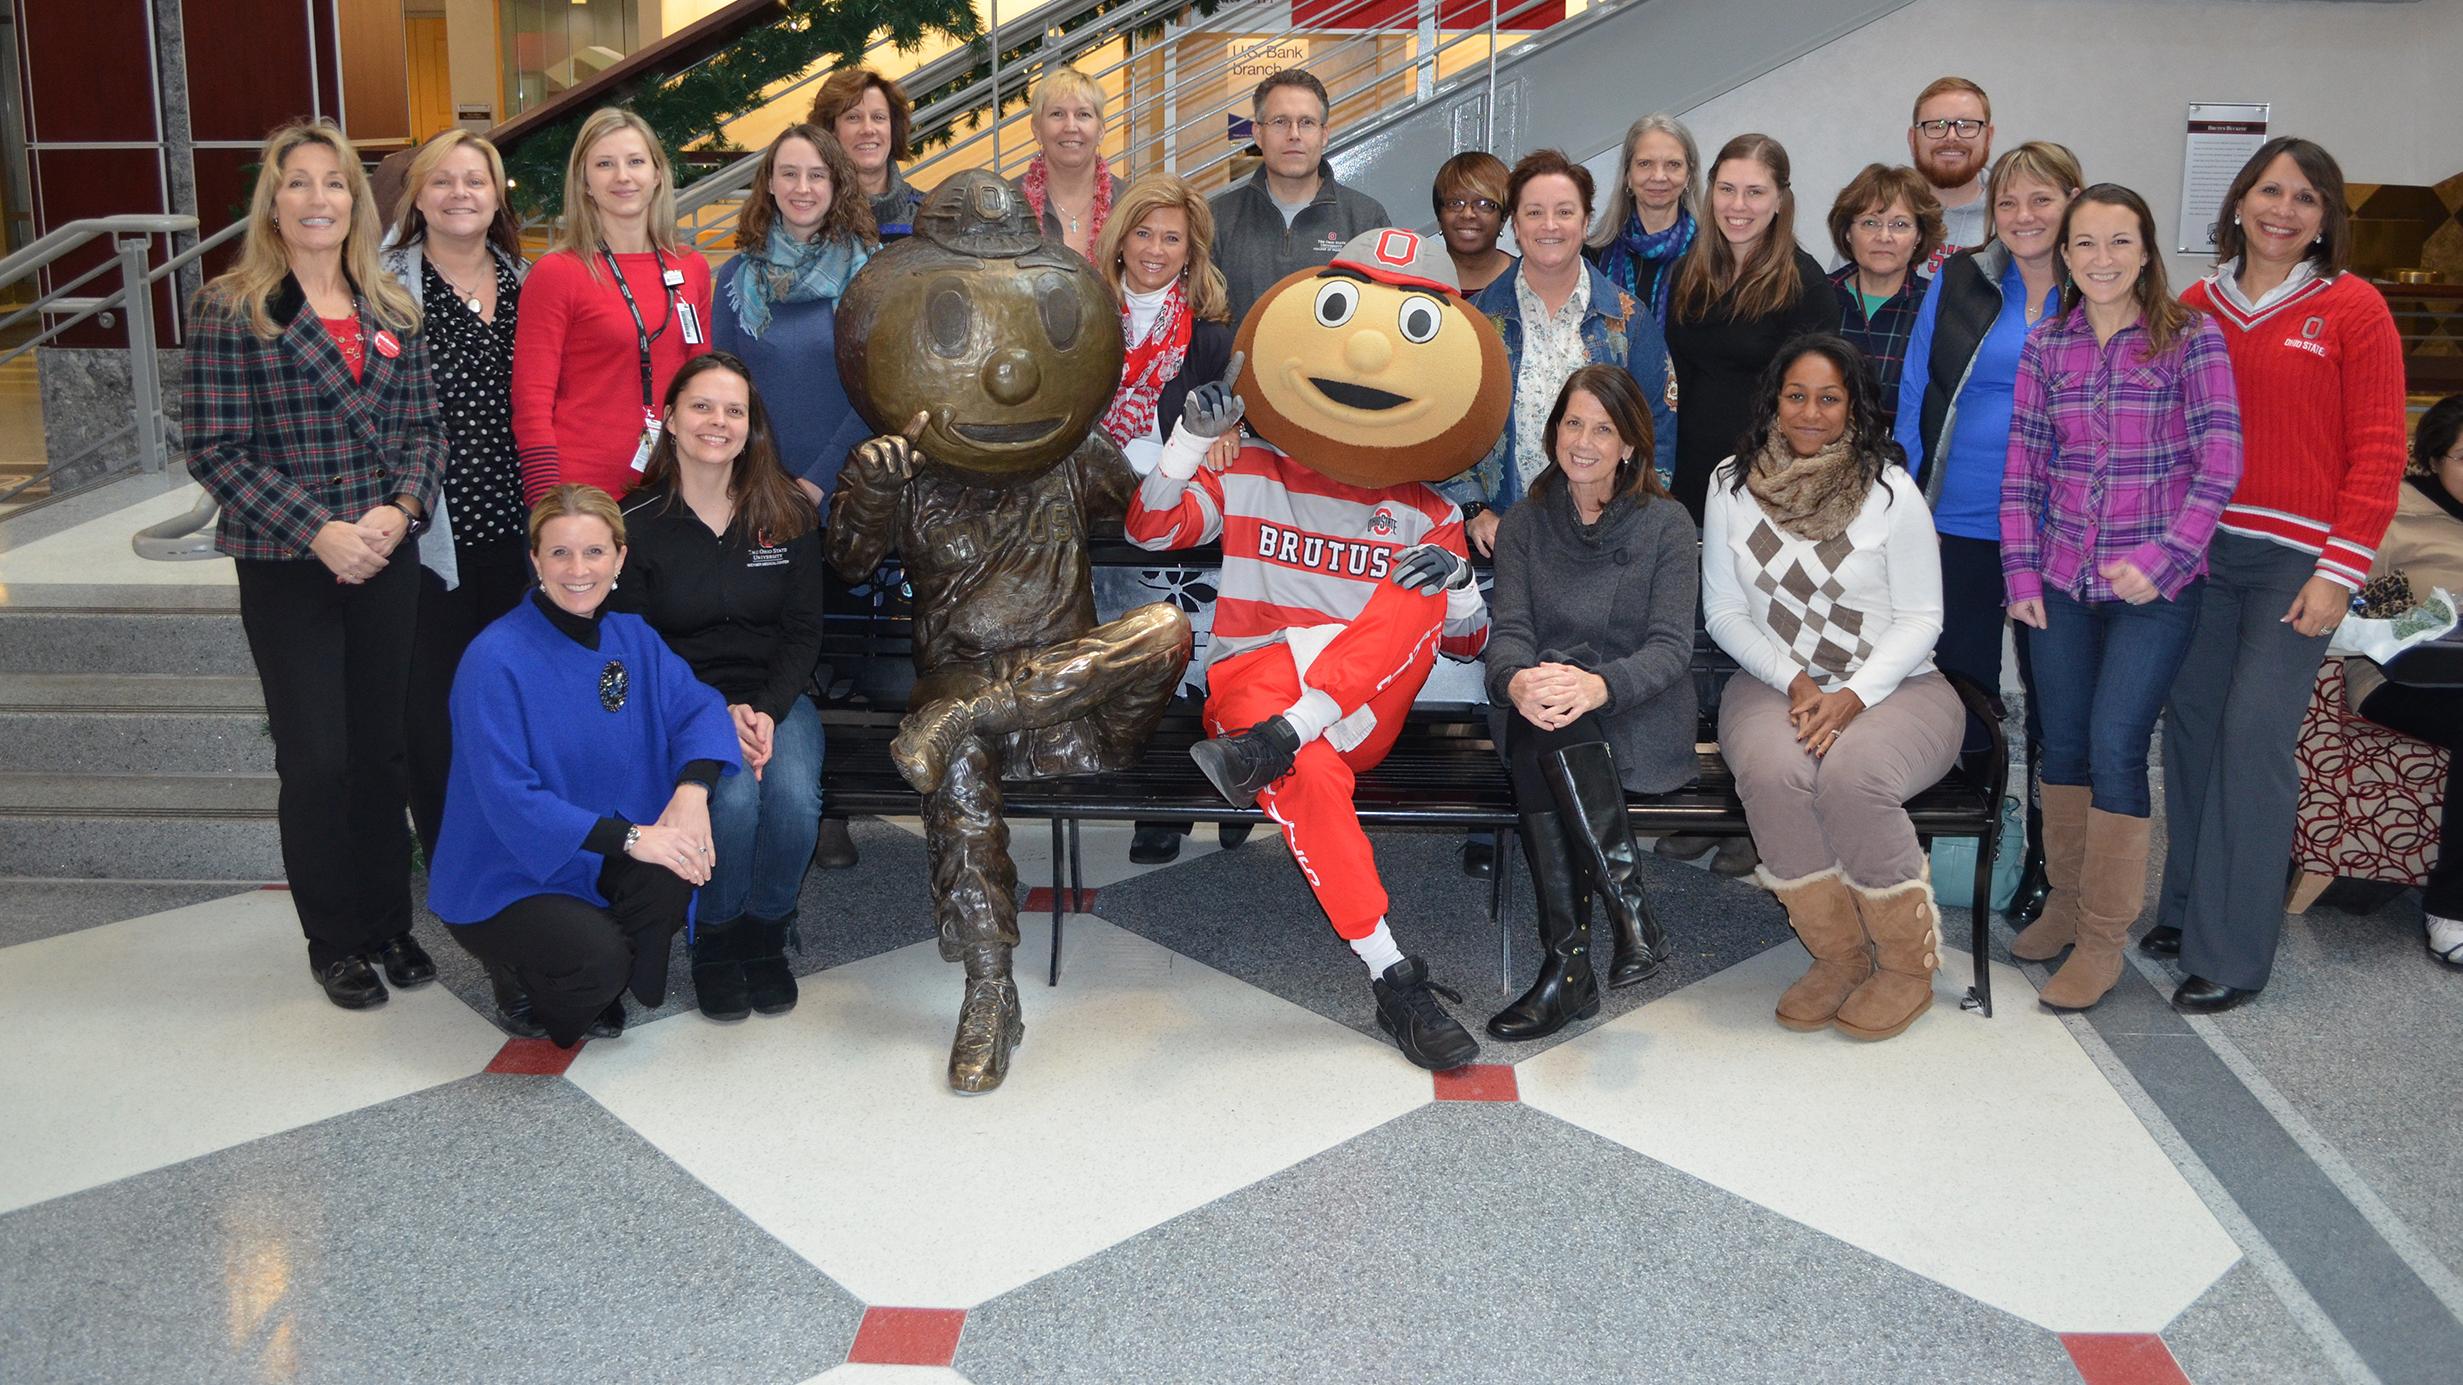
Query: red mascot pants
{"points": [[1378, 661]]}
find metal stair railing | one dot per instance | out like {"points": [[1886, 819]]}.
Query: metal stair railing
{"points": [[132, 245], [707, 209]]}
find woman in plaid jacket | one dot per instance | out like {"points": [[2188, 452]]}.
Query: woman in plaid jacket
{"points": [[310, 416]]}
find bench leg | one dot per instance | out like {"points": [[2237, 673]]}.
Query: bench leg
{"points": [[1056, 903], [2305, 891], [1980, 994], [1500, 862]]}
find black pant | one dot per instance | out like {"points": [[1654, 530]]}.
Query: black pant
{"points": [[492, 581], [334, 661], [2434, 715], [573, 956], [1525, 744]]}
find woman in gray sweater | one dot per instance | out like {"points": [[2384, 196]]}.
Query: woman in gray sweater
{"points": [[1589, 646]]}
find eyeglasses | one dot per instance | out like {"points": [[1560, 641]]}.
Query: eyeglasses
{"points": [[1464, 204], [1943, 129], [1897, 226], [1285, 124]]}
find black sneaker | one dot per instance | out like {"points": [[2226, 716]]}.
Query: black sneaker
{"points": [[1407, 1008], [1241, 765], [1154, 844]]}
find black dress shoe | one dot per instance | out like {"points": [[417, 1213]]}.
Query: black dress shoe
{"points": [[1232, 834], [2163, 940], [833, 849], [406, 963], [1240, 766], [350, 983], [1154, 844], [610, 1023], [2033, 893], [2199, 996], [1479, 858]]}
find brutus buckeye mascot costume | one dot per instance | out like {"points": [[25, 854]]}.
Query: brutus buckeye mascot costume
{"points": [[1344, 572], [995, 352]]}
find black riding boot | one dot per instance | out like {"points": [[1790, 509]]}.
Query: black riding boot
{"points": [[2034, 886], [718, 968], [1567, 988], [1592, 799]]}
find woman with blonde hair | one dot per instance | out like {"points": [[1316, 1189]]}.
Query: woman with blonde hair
{"points": [[609, 313], [310, 416], [871, 117], [1157, 253], [1652, 212], [1068, 182], [453, 246]]}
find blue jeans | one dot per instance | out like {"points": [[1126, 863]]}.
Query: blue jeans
{"points": [[2102, 671], [763, 830]]}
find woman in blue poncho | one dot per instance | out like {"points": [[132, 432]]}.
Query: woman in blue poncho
{"points": [[577, 819]]}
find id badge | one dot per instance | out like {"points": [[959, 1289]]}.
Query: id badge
{"points": [[650, 429], [689, 321]]}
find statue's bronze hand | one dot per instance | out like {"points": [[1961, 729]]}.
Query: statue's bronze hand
{"points": [[890, 458]]}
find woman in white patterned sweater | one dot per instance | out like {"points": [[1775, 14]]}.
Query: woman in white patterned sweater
{"points": [[1822, 579]]}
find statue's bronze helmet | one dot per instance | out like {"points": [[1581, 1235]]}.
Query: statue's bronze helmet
{"points": [[1010, 343]]}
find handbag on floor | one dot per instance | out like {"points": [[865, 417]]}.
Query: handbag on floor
{"points": [[1954, 860]]}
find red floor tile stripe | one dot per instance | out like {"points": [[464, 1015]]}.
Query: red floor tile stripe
{"points": [[1478, 1082], [283, 885], [533, 1058], [908, 1337], [2123, 1358], [1039, 900]]}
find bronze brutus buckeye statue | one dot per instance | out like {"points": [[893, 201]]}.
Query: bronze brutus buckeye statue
{"points": [[994, 353]]}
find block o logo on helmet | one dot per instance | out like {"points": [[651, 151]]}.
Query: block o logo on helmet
{"points": [[1397, 248]]}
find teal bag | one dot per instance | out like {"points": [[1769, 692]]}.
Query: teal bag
{"points": [[1954, 860]]}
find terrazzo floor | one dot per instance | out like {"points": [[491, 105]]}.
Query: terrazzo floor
{"points": [[1207, 1164]]}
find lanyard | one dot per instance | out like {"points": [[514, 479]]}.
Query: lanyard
{"points": [[642, 335]]}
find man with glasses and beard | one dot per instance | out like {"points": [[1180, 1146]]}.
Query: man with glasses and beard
{"points": [[1950, 140]]}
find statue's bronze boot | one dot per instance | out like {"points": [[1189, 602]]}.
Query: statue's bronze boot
{"points": [[990, 1022], [931, 734]]}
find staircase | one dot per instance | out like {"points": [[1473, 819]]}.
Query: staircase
{"points": [[136, 745]]}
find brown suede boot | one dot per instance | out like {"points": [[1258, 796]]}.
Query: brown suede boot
{"points": [[2065, 851], [2114, 890], [1905, 926], [1823, 914]]}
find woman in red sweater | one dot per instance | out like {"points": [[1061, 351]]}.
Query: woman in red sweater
{"points": [[2320, 374], [609, 314]]}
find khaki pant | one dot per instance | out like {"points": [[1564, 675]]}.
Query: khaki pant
{"points": [[1846, 809]]}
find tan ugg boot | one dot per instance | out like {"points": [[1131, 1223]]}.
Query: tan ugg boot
{"points": [[2065, 851], [1905, 926], [2114, 890], [1823, 914]]}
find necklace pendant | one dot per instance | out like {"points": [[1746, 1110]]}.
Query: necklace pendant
{"points": [[474, 303]]}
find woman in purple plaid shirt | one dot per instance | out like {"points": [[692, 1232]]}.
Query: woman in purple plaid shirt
{"points": [[2125, 444]]}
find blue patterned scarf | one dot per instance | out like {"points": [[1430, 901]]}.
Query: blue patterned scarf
{"points": [[788, 270], [1622, 258]]}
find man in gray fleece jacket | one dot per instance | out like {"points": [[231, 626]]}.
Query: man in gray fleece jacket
{"points": [[1291, 214]]}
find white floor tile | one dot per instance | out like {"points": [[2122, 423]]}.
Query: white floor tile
{"points": [[139, 1044], [1989, 1155], [1147, 1085]]}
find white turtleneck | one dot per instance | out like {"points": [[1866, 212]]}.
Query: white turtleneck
{"points": [[1144, 308]]}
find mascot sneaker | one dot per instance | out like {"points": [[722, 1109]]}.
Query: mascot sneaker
{"points": [[1240, 766], [1407, 1008]]}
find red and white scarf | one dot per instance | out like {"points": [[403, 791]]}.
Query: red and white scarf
{"points": [[1150, 365], [1038, 196]]}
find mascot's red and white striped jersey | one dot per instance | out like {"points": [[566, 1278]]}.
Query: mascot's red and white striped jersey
{"points": [[1298, 549]]}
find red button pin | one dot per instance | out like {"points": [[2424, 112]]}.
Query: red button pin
{"points": [[388, 345]]}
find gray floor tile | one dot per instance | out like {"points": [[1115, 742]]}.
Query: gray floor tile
{"points": [[1492, 1243], [1250, 914], [31, 909], [498, 1229], [2238, 1331]]}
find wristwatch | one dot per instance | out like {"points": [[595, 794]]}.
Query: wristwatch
{"points": [[632, 838], [1472, 509], [417, 525]]}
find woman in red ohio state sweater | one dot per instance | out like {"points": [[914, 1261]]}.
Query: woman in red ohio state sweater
{"points": [[609, 315], [2320, 374]]}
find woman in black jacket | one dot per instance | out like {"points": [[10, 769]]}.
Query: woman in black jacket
{"points": [[726, 566], [311, 418]]}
